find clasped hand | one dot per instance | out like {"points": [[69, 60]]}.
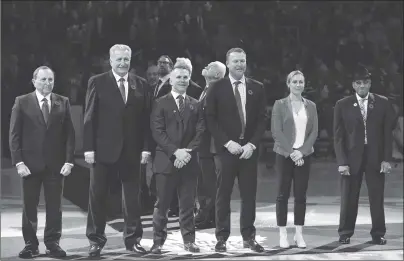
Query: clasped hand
{"points": [[182, 157], [297, 158], [246, 151]]}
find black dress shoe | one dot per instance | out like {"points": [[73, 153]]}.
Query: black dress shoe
{"points": [[344, 240], [191, 247], [29, 252], [137, 248], [253, 245], [156, 249], [55, 251], [379, 240], [94, 251], [220, 246]]}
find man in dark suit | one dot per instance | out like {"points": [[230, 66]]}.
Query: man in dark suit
{"points": [[177, 125], [42, 148], [163, 87], [236, 117], [363, 144], [205, 218], [115, 141]]}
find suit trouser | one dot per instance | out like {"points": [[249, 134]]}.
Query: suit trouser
{"points": [[246, 172], [128, 172], [350, 190], [53, 189], [287, 171], [207, 187], [184, 182]]}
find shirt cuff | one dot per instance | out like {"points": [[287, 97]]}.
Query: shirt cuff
{"points": [[88, 153], [19, 163], [146, 152], [252, 145], [70, 164], [227, 144]]}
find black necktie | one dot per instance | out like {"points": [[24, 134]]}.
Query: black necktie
{"points": [[181, 105], [122, 89], [240, 108], [45, 110], [156, 90]]}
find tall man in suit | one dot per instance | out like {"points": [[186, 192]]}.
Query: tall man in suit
{"points": [[236, 117], [115, 141], [205, 218], [177, 126], [42, 148], [363, 126], [163, 87]]}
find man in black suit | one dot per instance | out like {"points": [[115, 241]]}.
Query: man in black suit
{"points": [[177, 125], [42, 148], [205, 218], [236, 117], [115, 141], [363, 126], [163, 87]]}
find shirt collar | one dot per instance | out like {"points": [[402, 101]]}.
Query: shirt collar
{"points": [[232, 80], [40, 96], [360, 98], [117, 77], [165, 78], [176, 94]]}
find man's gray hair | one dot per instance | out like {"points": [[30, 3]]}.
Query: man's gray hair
{"points": [[220, 68], [183, 63], [120, 47], [43, 67]]}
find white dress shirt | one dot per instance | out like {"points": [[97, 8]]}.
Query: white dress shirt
{"points": [[175, 95], [300, 119], [163, 81], [365, 103], [125, 83], [203, 94]]}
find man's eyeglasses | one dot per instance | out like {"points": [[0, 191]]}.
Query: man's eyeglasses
{"points": [[163, 62]]}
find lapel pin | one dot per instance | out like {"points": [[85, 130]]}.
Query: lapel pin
{"points": [[57, 103], [250, 92], [133, 87], [370, 106], [191, 107], [174, 111], [355, 104]]}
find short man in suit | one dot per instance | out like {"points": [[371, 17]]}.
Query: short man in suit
{"points": [[163, 87], [236, 117], [177, 126], [115, 141], [363, 144], [42, 148], [205, 218]]}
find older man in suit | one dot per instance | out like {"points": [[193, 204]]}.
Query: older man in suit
{"points": [[236, 117], [42, 149], [363, 126], [205, 218], [115, 141], [177, 125]]}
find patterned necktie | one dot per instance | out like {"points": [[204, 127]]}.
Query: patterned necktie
{"points": [[364, 116], [181, 105], [45, 110], [122, 89], [239, 107]]}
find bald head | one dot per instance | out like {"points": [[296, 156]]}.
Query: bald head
{"points": [[214, 71]]}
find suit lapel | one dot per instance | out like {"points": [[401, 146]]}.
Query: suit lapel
{"points": [[289, 109], [54, 108], [187, 110], [248, 99], [371, 106], [37, 109], [228, 92], [115, 88], [356, 109], [131, 89]]}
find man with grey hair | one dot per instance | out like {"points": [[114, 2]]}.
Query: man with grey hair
{"points": [[115, 143], [42, 149], [205, 218], [177, 125]]}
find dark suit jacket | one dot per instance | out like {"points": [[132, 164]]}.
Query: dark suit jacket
{"points": [[349, 132], [171, 132], [111, 125], [207, 146], [194, 90], [283, 127], [36, 143], [222, 115]]}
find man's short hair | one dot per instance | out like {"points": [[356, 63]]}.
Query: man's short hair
{"points": [[183, 63], [220, 67], [168, 58], [234, 50], [43, 67], [120, 47]]}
